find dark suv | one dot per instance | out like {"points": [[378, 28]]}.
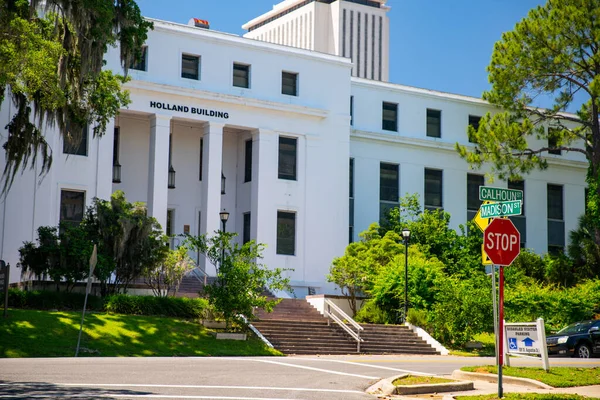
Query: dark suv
{"points": [[581, 339]]}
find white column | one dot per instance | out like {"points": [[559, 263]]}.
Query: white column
{"points": [[158, 168], [212, 157], [264, 176], [104, 162]]}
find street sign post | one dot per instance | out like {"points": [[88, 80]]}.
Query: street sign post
{"points": [[499, 194], [502, 243], [501, 209], [527, 339]]}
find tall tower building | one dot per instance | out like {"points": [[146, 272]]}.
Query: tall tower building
{"points": [[356, 29]]}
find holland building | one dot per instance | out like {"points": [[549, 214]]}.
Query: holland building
{"points": [[294, 130]]}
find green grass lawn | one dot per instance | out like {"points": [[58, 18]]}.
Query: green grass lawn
{"points": [[28, 333], [488, 350], [527, 396], [556, 377], [420, 380]]}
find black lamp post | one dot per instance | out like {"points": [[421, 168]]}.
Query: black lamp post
{"points": [[171, 177], [223, 192], [224, 215], [406, 236]]}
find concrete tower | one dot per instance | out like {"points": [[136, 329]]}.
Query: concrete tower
{"points": [[356, 29]]}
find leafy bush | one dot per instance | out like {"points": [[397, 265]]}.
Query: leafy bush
{"points": [[49, 300], [181, 307], [371, 314], [418, 318]]}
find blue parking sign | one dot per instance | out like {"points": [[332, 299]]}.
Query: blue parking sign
{"points": [[512, 344]]}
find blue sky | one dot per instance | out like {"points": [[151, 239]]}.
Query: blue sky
{"points": [[443, 45]]}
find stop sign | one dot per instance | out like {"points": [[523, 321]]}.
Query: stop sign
{"points": [[502, 241]]}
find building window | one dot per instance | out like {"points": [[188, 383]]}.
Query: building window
{"points": [[390, 117], [434, 123], [287, 158], [190, 67], [116, 165], [246, 233], [473, 202], [474, 122], [286, 233], [351, 205], [248, 162], [553, 141], [519, 220], [241, 75], [351, 109], [141, 64], [72, 206], [556, 223], [433, 189], [289, 83], [389, 187], [77, 146], [201, 158]]}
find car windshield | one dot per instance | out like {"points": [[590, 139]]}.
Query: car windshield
{"points": [[578, 327]]}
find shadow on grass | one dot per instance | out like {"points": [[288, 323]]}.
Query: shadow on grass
{"points": [[29, 390]]}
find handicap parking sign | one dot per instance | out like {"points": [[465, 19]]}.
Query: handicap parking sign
{"points": [[512, 344]]}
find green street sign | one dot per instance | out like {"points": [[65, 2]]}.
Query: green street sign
{"points": [[499, 194], [501, 209]]}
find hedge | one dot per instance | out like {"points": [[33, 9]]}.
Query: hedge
{"points": [[180, 307]]}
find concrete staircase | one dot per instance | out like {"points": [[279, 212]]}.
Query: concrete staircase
{"points": [[191, 286], [296, 327]]}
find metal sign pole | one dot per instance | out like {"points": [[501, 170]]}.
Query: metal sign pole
{"points": [[542, 337], [495, 310], [501, 329]]}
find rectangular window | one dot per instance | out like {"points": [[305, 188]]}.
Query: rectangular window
{"points": [[77, 146], [241, 75], [474, 122], [190, 67], [553, 141], [246, 233], [434, 123], [390, 117], [351, 110], [287, 158], [286, 233], [289, 83], [389, 187], [248, 162], [201, 158], [351, 208], [473, 202], [72, 206], [141, 64], [556, 223], [519, 220], [116, 175], [433, 189]]}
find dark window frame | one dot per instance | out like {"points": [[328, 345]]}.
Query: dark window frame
{"points": [[246, 230], [289, 83], [82, 148], [64, 204], [248, 161], [428, 182], [142, 63], [286, 245], [553, 141], [474, 121], [286, 168], [190, 58], [387, 122], [241, 70], [434, 129]]}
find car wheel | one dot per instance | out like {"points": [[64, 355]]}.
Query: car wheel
{"points": [[583, 351]]}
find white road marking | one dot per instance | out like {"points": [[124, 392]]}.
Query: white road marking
{"points": [[313, 368], [368, 365], [144, 396]]}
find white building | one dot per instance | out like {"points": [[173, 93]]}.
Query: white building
{"points": [[280, 114]]}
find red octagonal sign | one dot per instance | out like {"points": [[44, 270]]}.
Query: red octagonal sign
{"points": [[502, 241]]}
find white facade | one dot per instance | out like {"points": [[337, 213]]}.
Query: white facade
{"points": [[315, 116]]}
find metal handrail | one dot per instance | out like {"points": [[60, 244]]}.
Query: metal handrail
{"points": [[200, 275], [355, 335]]}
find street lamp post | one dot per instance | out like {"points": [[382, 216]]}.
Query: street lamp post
{"points": [[224, 215], [406, 236]]}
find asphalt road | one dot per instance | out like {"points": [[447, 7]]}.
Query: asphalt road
{"points": [[260, 378]]}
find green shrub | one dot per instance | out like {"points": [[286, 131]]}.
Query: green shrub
{"points": [[149, 305], [50, 300], [417, 318], [371, 314]]}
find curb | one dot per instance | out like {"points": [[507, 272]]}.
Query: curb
{"points": [[530, 383], [385, 387]]}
